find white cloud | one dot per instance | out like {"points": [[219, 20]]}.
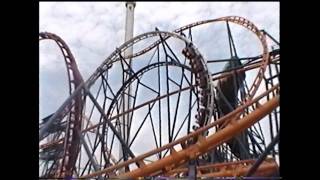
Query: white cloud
{"points": [[94, 29]]}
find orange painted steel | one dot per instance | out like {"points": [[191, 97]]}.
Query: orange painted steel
{"points": [[92, 127], [246, 68], [220, 167], [202, 145], [265, 169], [237, 20], [167, 164], [252, 91], [183, 139], [211, 166]]}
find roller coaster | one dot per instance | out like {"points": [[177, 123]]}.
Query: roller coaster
{"points": [[186, 121]]}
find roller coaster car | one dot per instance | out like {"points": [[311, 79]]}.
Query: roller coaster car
{"points": [[229, 87], [56, 126], [44, 120], [190, 53], [52, 152]]}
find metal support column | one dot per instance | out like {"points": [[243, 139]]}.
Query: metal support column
{"points": [[124, 120], [192, 170]]}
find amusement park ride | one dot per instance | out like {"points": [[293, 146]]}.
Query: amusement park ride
{"points": [[172, 115]]}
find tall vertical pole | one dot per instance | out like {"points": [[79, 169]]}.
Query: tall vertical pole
{"points": [[124, 126]]}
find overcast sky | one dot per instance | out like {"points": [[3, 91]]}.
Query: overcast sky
{"points": [[94, 29]]}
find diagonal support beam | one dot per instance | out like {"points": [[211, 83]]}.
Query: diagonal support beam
{"points": [[261, 158], [125, 146], [231, 42], [93, 161], [211, 141]]}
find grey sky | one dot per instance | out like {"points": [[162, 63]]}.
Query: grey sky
{"points": [[94, 29]]}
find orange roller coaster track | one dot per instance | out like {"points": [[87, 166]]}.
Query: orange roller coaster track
{"points": [[88, 151]]}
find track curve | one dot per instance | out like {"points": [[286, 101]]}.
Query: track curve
{"points": [[71, 139], [205, 90]]}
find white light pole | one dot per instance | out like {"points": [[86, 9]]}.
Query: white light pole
{"points": [[125, 119]]}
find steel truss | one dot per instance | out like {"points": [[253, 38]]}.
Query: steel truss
{"points": [[196, 123]]}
